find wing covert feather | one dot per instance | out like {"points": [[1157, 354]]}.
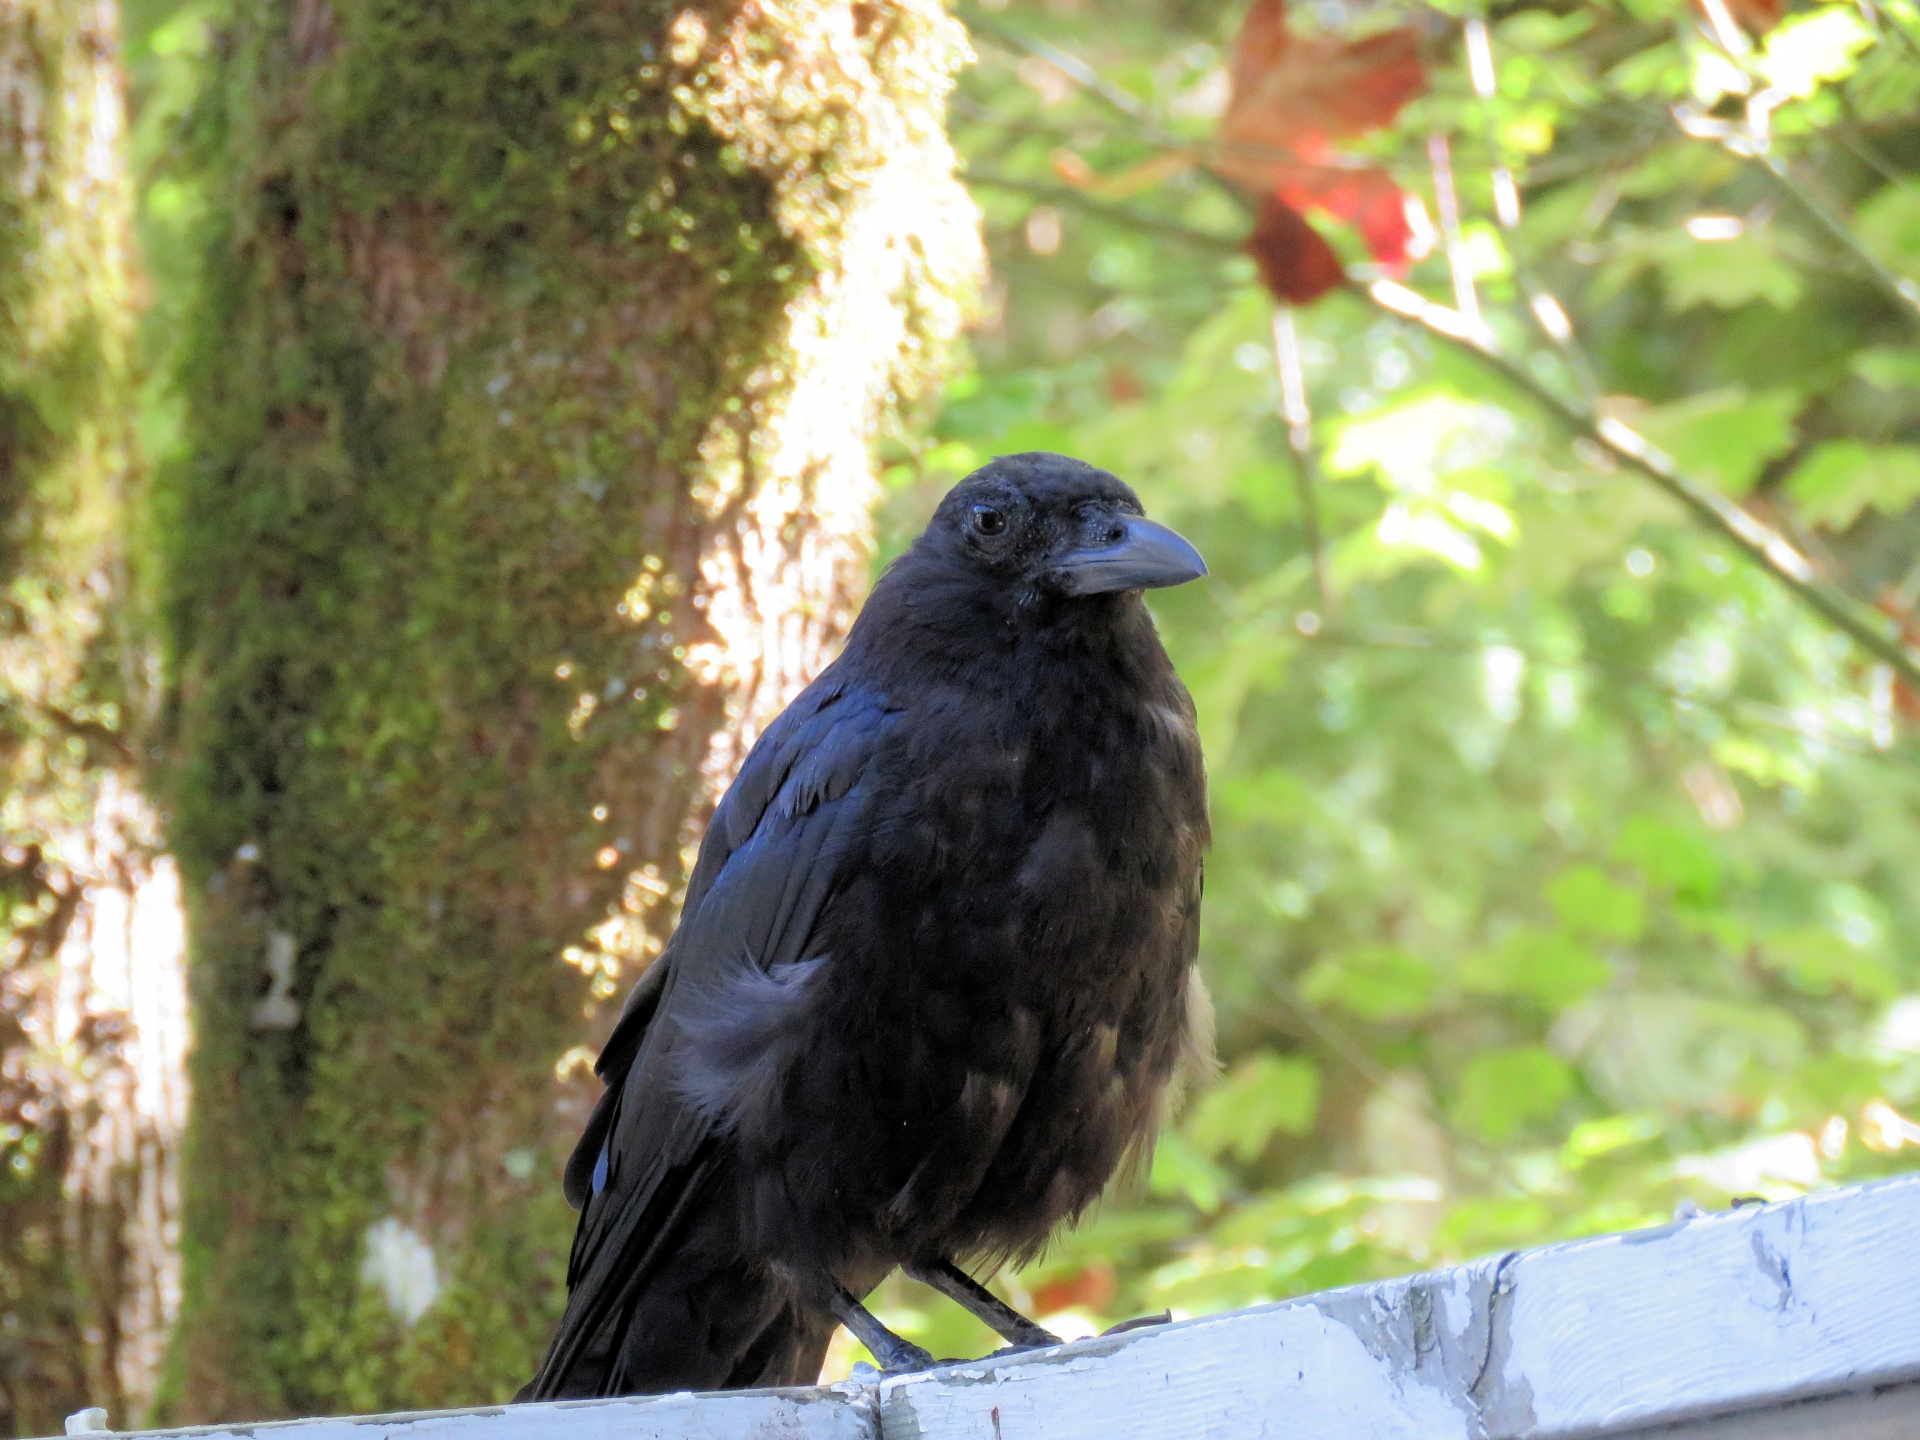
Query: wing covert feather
{"points": [[828, 731]]}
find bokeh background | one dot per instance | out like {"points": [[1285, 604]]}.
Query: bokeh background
{"points": [[378, 381]]}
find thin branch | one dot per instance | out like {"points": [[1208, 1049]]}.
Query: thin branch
{"points": [[1122, 102], [1880, 22], [1107, 210], [1306, 463], [1758, 542], [1901, 290], [1440, 160], [1071, 66], [1447, 646]]}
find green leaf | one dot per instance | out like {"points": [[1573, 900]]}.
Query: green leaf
{"points": [[1591, 1139], [1843, 477], [1821, 963], [1670, 857], [1889, 225], [1379, 982], [1647, 1050], [1833, 1083], [1589, 903], [1544, 965], [1724, 436], [1806, 51], [1727, 274], [1180, 1170], [1494, 1222], [1416, 440], [1262, 1096], [1502, 1090], [1888, 368]]}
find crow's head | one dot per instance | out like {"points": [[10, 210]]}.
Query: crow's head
{"points": [[1046, 524]]}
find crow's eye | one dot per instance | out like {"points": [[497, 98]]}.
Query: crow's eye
{"points": [[989, 521]]}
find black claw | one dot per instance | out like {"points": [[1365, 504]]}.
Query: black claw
{"points": [[906, 1358], [1139, 1322]]}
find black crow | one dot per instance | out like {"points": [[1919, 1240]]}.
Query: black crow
{"points": [[934, 972]]}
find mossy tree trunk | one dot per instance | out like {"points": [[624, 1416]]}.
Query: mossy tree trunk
{"points": [[92, 1004], [529, 386]]}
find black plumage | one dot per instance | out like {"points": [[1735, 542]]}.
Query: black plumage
{"points": [[934, 972]]}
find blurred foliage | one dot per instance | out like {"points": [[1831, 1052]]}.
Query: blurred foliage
{"points": [[1562, 856]]}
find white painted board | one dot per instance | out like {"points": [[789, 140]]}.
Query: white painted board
{"points": [[822, 1414], [1777, 1322]]}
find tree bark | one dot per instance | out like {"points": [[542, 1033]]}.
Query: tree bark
{"points": [[529, 385], [92, 1002]]}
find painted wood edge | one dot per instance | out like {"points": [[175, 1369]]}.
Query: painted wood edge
{"points": [[1767, 1306], [834, 1412]]}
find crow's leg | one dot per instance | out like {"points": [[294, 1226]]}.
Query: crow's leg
{"points": [[896, 1356], [953, 1282]]}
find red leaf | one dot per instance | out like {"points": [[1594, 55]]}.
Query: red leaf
{"points": [[1364, 196], [1293, 258], [1296, 94], [1756, 17], [1091, 1289], [1260, 47], [1293, 96], [1123, 386]]}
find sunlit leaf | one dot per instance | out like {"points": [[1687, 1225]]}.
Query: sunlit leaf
{"points": [[1591, 1139], [1502, 1090], [1889, 223], [1723, 436], [1727, 274], [1482, 1223], [1548, 966], [1841, 478], [1417, 440], [1181, 1170], [1814, 49], [1670, 857], [1264, 1095], [1821, 962], [1888, 368], [1590, 903], [1379, 982]]}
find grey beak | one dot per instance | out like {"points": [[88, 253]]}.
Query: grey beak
{"points": [[1146, 557]]}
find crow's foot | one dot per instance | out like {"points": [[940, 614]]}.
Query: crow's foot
{"points": [[1005, 1321], [903, 1357]]}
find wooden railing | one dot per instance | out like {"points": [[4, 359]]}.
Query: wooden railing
{"points": [[1773, 1322]]}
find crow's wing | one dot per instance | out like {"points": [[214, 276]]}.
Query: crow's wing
{"points": [[778, 847]]}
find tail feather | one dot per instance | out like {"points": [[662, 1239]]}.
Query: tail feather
{"points": [[619, 1248], [664, 1297]]}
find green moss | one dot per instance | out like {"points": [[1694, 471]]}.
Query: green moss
{"points": [[480, 281]]}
